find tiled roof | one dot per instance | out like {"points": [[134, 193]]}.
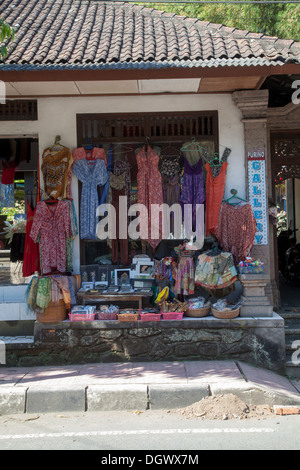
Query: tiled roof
{"points": [[81, 34]]}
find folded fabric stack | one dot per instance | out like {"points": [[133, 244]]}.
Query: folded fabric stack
{"points": [[197, 302]]}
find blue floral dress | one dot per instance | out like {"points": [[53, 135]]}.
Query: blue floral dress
{"points": [[92, 173]]}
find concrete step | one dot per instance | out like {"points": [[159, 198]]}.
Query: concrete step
{"points": [[290, 315], [292, 324], [292, 332], [17, 339], [15, 317], [13, 293], [292, 341], [292, 370], [15, 311]]}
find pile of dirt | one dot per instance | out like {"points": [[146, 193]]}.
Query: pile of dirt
{"points": [[224, 407]]}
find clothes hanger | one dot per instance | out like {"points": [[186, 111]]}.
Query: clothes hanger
{"points": [[166, 152], [57, 144], [214, 250], [193, 142], [124, 149], [215, 160], [51, 200], [89, 145], [196, 146], [234, 196]]}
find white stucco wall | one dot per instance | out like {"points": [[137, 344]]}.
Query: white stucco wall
{"points": [[57, 116]]}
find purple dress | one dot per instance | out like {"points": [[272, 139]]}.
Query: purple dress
{"points": [[192, 191]]}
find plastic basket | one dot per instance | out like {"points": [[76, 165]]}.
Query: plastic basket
{"points": [[172, 315], [150, 316], [128, 317], [82, 316], [251, 269], [107, 315]]}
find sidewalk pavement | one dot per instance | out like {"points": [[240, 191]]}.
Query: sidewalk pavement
{"points": [[138, 386]]}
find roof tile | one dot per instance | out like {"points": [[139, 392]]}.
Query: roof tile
{"points": [[79, 33]]}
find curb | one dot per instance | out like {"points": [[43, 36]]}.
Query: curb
{"points": [[20, 399]]}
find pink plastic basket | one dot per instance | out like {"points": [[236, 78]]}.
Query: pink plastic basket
{"points": [[172, 315], [150, 316], [82, 316]]}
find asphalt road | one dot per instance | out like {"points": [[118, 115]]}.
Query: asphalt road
{"points": [[134, 438]]}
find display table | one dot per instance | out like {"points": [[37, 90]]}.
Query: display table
{"points": [[86, 297]]}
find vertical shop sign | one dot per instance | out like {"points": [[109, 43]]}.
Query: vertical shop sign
{"points": [[258, 194]]}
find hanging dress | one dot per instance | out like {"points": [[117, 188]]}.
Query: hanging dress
{"points": [[8, 172], [92, 174], [118, 188], [170, 171], [55, 167], [185, 283], [81, 153], [215, 187], [149, 190], [31, 261], [192, 191], [123, 166], [52, 226], [236, 230]]}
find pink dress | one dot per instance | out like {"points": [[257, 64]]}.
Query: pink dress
{"points": [[51, 226], [149, 191]]}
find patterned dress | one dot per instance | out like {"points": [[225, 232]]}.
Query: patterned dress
{"points": [[236, 230], [81, 153], [185, 276], [92, 174], [55, 167], [149, 190], [51, 226], [118, 188]]}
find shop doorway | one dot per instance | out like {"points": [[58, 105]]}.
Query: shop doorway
{"points": [[18, 188], [122, 135], [285, 147]]}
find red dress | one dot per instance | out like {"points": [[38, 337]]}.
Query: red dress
{"points": [[31, 261], [215, 187], [8, 172]]}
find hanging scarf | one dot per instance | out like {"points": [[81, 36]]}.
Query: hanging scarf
{"points": [[63, 284], [30, 294], [43, 296]]}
